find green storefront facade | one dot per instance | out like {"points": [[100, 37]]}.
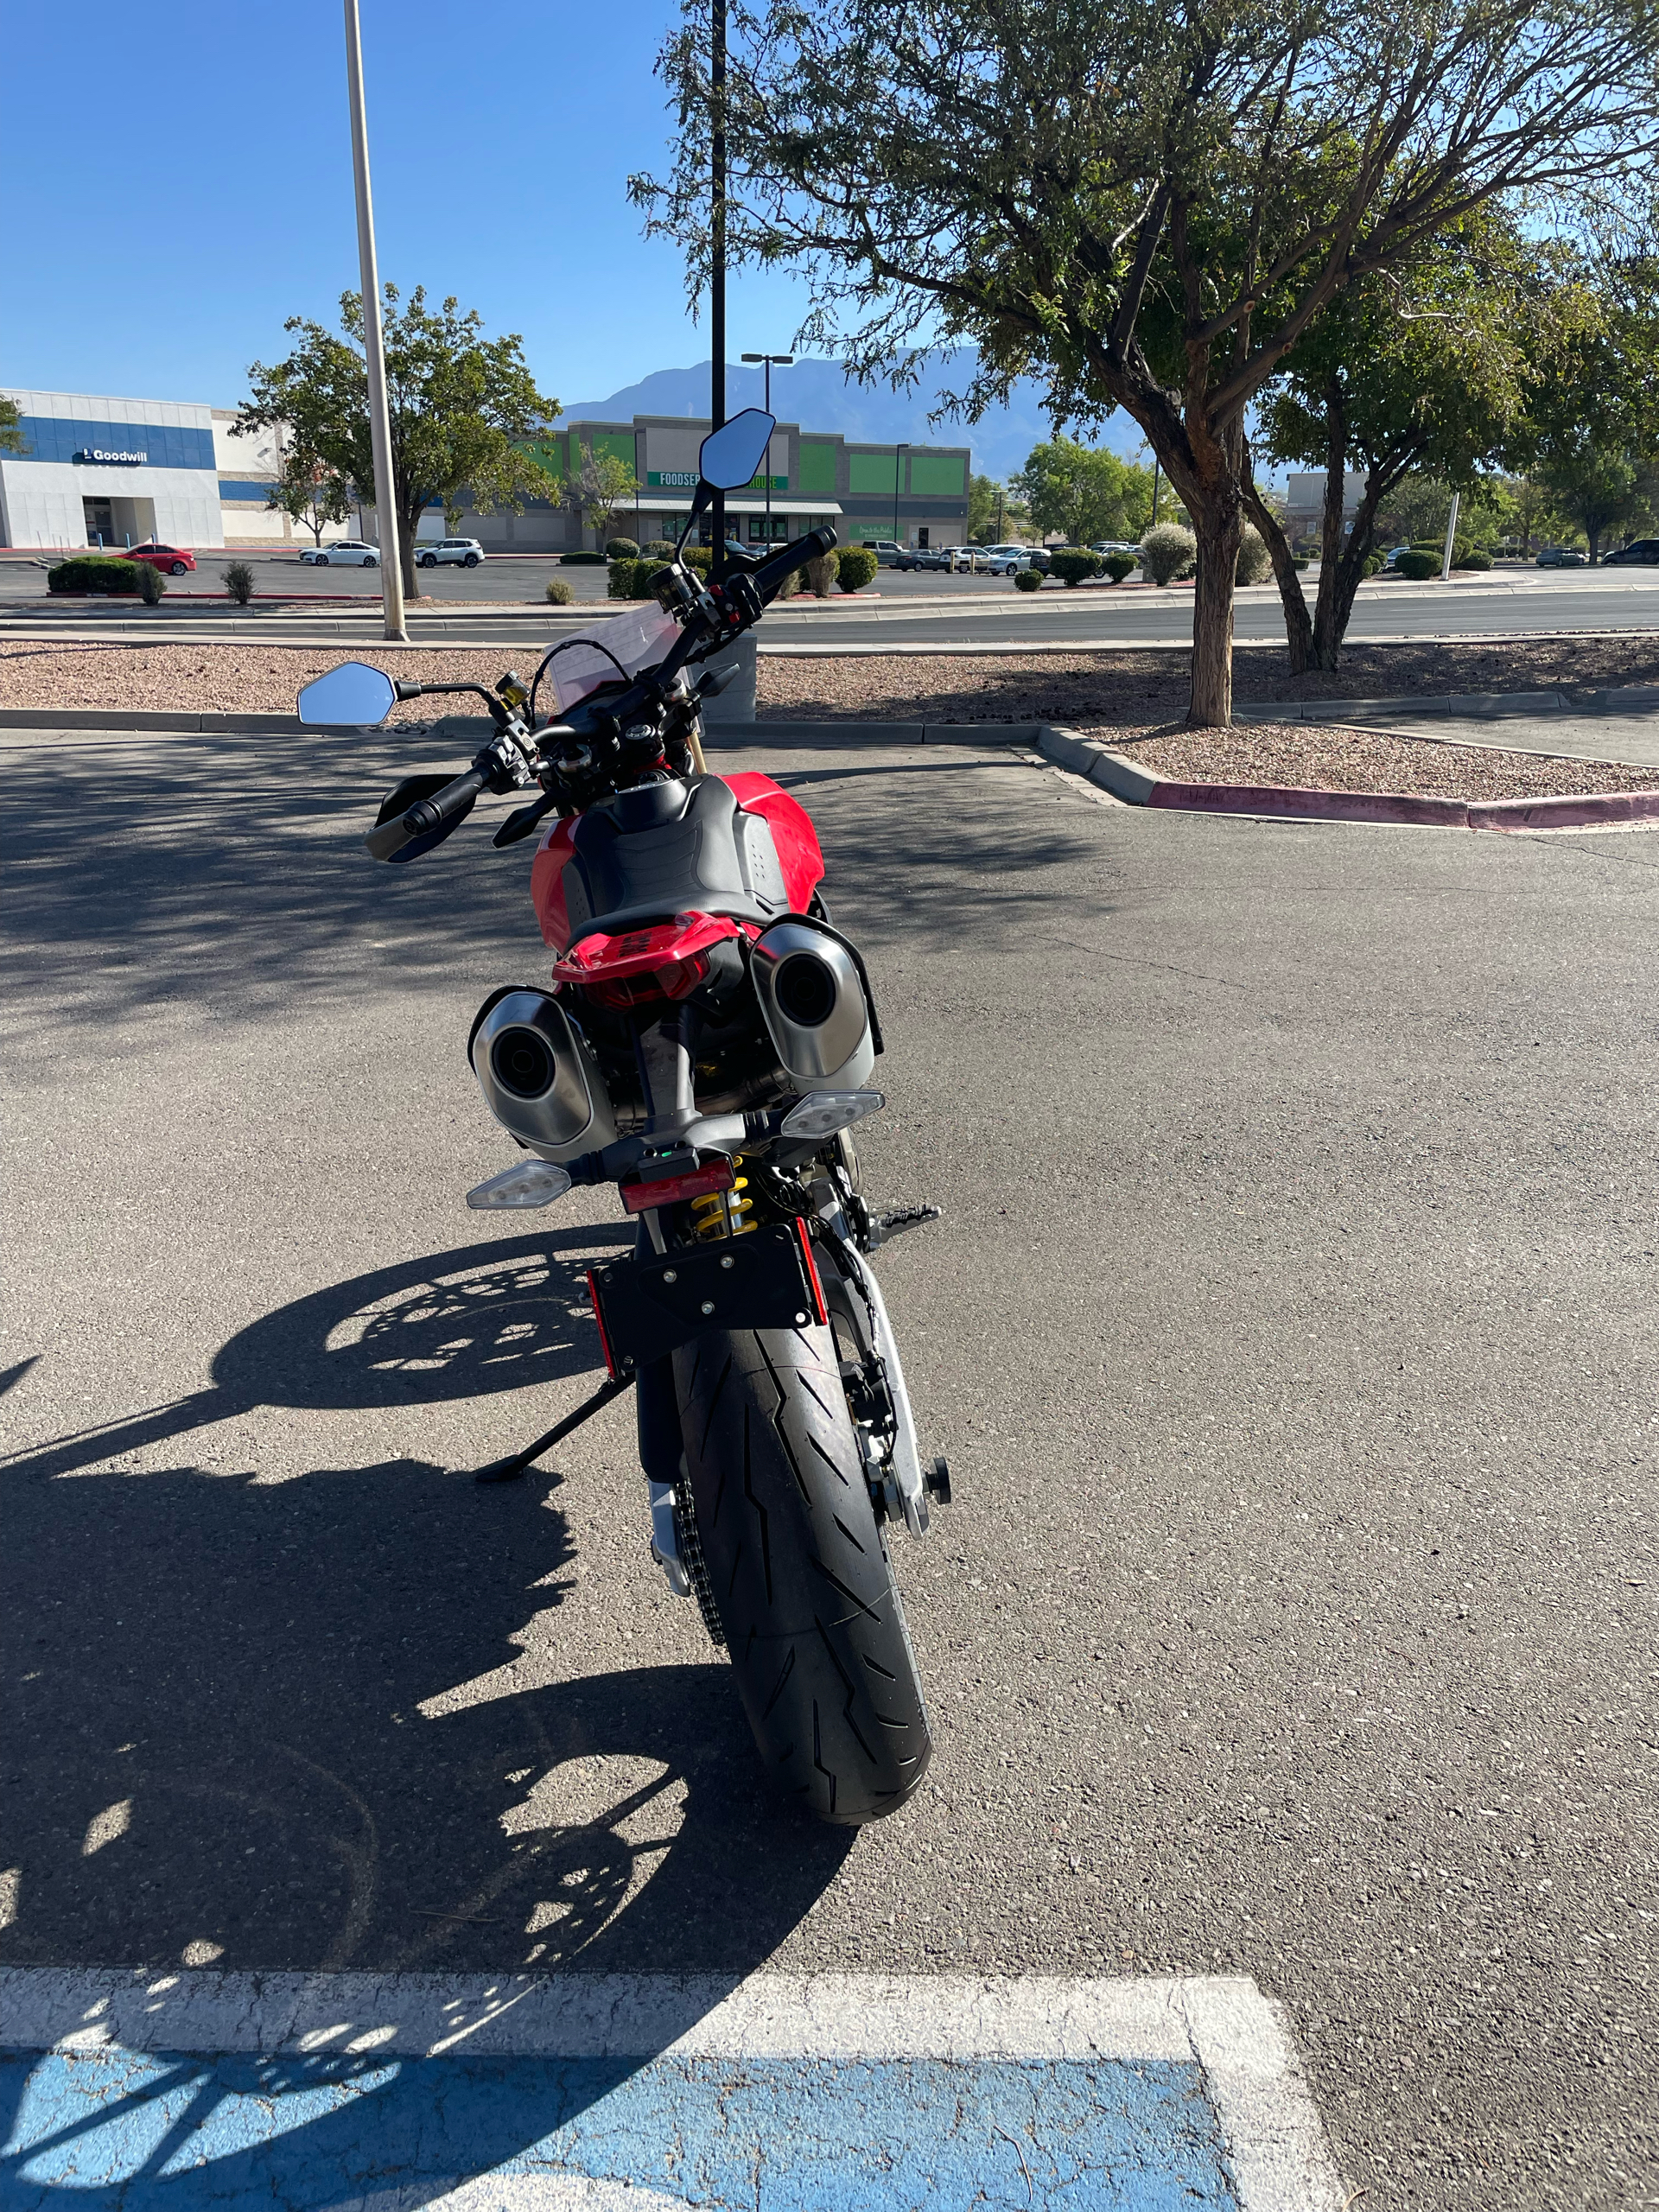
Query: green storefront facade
{"points": [[917, 493]]}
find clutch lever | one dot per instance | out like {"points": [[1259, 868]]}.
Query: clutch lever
{"points": [[524, 820]]}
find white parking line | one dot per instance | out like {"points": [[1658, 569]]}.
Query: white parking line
{"points": [[1239, 2041]]}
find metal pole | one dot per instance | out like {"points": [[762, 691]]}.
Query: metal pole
{"points": [[1451, 535], [766, 467], [374, 351], [717, 266]]}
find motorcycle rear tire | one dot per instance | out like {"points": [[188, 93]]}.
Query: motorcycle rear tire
{"points": [[798, 1571]]}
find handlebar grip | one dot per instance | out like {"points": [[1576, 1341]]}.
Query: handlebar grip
{"points": [[773, 573], [426, 815]]}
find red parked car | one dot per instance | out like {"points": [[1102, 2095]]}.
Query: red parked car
{"points": [[173, 558]]}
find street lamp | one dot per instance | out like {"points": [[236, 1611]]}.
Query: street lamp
{"points": [[374, 349], [896, 452], [784, 361]]}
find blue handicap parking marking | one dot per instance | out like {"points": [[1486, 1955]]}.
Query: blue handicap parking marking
{"points": [[138, 2132], [126, 2092]]}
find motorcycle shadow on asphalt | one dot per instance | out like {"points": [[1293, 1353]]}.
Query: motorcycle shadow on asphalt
{"points": [[327, 1723]]}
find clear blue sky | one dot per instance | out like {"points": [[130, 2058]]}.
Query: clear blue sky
{"points": [[179, 181]]}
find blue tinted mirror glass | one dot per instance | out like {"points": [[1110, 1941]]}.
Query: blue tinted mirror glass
{"points": [[354, 693], [732, 455]]}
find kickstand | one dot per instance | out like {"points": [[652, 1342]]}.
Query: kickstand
{"points": [[507, 1471]]}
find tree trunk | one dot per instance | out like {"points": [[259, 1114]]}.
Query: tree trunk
{"points": [[408, 524], [1298, 627], [1218, 525]]}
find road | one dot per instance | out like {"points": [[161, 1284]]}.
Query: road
{"points": [[916, 614], [1291, 1330]]}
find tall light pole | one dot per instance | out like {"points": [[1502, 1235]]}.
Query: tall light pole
{"points": [[896, 452], [374, 350], [784, 361]]}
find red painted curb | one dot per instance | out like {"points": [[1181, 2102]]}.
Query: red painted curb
{"points": [[1311, 805], [1570, 811]]}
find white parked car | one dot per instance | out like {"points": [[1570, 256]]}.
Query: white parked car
{"points": [[1004, 560], [462, 552], [344, 553]]}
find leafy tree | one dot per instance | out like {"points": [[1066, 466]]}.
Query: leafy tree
{"points": [[602, 484], [1409, 381], [1085, 491], [1146, 205], [309, 493], [985, 505], [12, 438], [458, 404]]}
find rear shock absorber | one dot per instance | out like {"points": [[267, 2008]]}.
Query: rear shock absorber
{"points": [[724, 1213]]}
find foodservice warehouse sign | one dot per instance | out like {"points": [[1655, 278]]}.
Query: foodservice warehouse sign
{"points": [[687, 480], [125, 459]]}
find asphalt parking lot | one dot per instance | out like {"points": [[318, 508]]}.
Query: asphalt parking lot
{"points": [[1291, 1330]]}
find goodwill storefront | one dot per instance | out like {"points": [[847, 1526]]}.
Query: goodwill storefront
{"points": [[109, 473]]}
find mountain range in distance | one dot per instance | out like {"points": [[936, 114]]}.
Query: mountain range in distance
{"points": [[820, 396]]}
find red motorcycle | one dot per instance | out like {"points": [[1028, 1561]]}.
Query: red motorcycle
{"points": [[706, 1045]]}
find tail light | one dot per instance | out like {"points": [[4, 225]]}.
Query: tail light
{"points": [[675, 979], [669, 1190]]}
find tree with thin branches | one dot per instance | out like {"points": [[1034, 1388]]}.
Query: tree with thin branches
{"points": [[1145, 206]]}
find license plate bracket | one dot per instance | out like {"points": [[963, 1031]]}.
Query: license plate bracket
{"points": [[645, 1308]]}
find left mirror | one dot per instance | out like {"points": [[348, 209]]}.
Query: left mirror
{"points": [[353, 693], [730, 455]]}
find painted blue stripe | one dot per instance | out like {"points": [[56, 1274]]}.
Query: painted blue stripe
{"points": [[164, 445], [115, 2131]]}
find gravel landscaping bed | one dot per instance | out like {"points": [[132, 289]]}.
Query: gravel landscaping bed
{"points": [[234, 678], [1321, 756], [1150, 687], [1134, 691]]}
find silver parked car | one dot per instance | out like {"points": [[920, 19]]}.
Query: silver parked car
{"points": [[461, 552], [344, 553]]}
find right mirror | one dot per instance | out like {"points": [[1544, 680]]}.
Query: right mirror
{"points": [[732, 455], [353, 693]]}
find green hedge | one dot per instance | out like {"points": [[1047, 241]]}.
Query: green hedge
{"points": [[1119, 565], [855, 566], [95, 572], [582, 560], [1471, 557], [622, 548], [1417, 566], [1072, 564], [1028, 580]]}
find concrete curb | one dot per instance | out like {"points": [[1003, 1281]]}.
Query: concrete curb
{"points": [[1471, 706], [1125, 779]]}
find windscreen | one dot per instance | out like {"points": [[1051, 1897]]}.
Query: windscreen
{"points": [[639, 637]]}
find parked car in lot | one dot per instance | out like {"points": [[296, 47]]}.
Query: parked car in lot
{"points": [[923, 556], [1004, 560], [172, 559], [344, 553], [1560, 557], [1641, 553], [459, 552], [889, 553]]}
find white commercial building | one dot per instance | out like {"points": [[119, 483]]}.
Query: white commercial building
{"points": [[95, 471]]}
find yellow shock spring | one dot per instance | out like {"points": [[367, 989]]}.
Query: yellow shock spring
{"points": [[723, 1213]]}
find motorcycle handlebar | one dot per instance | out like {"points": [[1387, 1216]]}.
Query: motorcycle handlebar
{"points": [[770, 574], [427, 814]]}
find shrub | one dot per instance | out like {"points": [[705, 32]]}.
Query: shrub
{"points": [[855, 566], [151, 583], [625, 581], [821, 576], [622, 548], [1375, 564], [1119, 565], [582, 560], [1300, 560], [1417, 566], [559, 594], [239, 582], [657, 549], [793, 584], [1254, 562], [1072, 563], [95, 572], [1168, 552], [1471, 556], [700, 557], [1028, 580]]}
